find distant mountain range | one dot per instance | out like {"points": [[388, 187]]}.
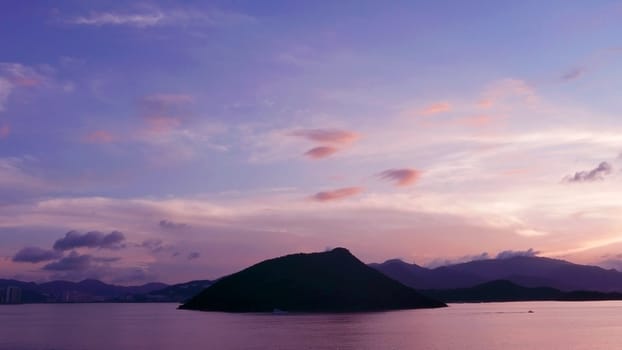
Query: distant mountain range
{"points": [[465, 281], [332, 281], [502, 290], [175, 293], [521, 270], [85, 291]]}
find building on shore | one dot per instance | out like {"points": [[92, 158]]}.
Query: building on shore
{"points": [[13, 295]]}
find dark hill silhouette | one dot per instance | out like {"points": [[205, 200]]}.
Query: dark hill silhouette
{"points": [[333, 281], [503, 290], [97, 288], [522, 270], [176, 293], [30, 292], [419, 277]]}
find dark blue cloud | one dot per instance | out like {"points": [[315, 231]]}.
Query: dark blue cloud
{"points": [[72, 262], [597, 173], [171, 225], [93, 239], [35, 255]]}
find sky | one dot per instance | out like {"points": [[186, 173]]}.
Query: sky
{"points": [[170, 141]]}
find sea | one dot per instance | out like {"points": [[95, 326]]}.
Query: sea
{"points": [[508, 326]]}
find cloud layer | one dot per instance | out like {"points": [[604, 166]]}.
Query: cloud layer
{"points": [[221, 129]]}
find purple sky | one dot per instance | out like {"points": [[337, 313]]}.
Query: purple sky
{"points": [[158, 141]]}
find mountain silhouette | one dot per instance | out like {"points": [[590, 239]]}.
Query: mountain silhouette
{"points": [[333, 281], [175, 293], [88, 290], [521, 270], [503, 290]]}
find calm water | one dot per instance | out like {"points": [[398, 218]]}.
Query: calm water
{"points": [[553, 325]]}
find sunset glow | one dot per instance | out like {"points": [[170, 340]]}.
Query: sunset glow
{"points": [[160, 142]]}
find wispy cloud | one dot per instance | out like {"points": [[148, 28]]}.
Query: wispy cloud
{"points": [[98, 136], [110, 18], [16, 75], [171, 125], [21, 75], [167, 100], [171, 225], [5, 91], [163, 112], [574, 73], [337, 194], [476, 121], [162, 124], [529, 232], [321, 152], [509, 92], [438, 262], [15, 175], [401, 177], [332, 136], [506, 254], [436, 108], [160, 17], [5, 130]]}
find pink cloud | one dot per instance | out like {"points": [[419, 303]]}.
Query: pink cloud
{"points": [[16, 75], [98, 136], [162, 111], [333, 136], [21, 75], [439, 107], [337, 194], [485, 103], [321, 152], [162, 124], [25, 81], [508, 90], [402, 177], [5, 130], [476, 121]]}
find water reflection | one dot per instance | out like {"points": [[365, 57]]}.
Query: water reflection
{"points": [[588, 325]]}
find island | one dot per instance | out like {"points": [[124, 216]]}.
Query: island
{"points": [[331, 281]]}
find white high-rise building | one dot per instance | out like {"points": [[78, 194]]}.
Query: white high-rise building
{"points": [[13, 295]]}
